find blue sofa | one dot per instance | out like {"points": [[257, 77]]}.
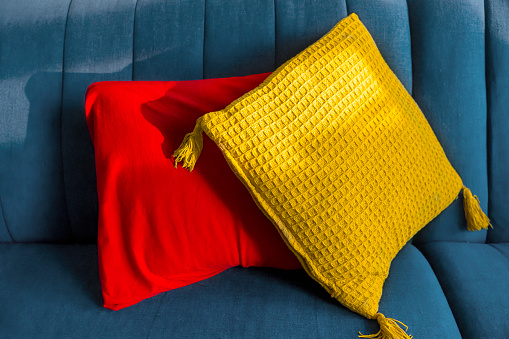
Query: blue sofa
{"points": [[451, 55]]}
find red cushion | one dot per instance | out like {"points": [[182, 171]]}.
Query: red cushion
{"points": [[161, 228]]}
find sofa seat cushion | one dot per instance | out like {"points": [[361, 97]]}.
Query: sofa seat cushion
{"points": [[54, 291], [475, 280]]}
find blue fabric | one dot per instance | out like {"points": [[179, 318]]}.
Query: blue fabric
{"points": [[475, 280], [4, 232], [53, 291], [98, 46], [301, 23], [497, 80], [449, 86], [387, 21], [239, 38], [168, 40], [31, 177]]}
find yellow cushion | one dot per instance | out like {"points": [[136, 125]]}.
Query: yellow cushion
{"points": [[339, 156]]}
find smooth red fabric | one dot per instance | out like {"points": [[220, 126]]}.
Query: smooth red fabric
{"points": [[161, 228]]}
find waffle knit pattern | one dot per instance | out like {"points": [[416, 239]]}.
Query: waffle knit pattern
{"points": [[338, 155], [336, 152]]}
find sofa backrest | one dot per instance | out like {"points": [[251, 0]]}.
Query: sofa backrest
{"points": [[497, 86], [52, 50]]}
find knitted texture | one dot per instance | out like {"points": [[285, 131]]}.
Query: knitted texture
{"points": [[338, 155]]}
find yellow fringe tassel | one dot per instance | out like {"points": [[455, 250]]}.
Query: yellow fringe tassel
{"points": [[389, 329], [476, 219], [190, 148]]}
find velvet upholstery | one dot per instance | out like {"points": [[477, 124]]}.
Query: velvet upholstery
{"points": [[55, 292], [449, 85], [168, 40], [388, 23], [451, 55], [497, 84], [476, 291], [226, 51], [32, 193], [300, 23]]}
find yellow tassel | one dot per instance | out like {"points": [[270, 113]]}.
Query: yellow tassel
{"points": [[389, 329], [190, 148], [476, 219]]}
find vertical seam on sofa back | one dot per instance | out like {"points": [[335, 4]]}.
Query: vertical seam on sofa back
{"points": [[487, 119], [488, 115], [134, 38], [5, 221], [71, 232]]}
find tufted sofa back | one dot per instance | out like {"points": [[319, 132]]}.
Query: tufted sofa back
{"points": [[452, 56]]}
